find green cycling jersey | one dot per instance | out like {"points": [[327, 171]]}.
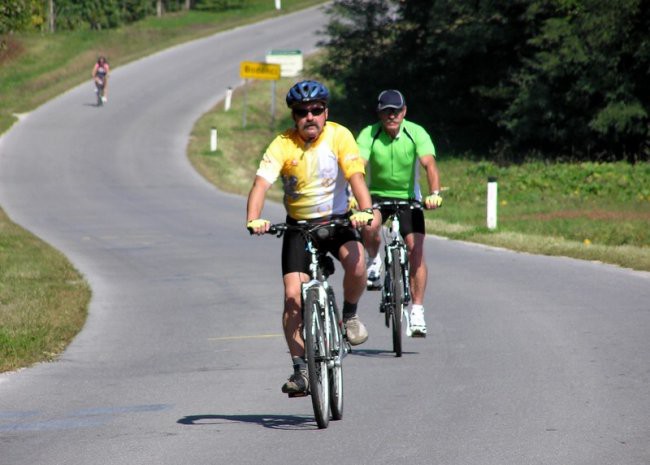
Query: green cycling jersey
{"points": [[394, 163]]}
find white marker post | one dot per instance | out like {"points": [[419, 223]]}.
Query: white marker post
{"points": [[492, 203], [228, 101], [278, 4], [213, 140]]}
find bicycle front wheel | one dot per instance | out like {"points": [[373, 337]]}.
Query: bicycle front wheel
{"points": [[397, 300], [315, 353]]}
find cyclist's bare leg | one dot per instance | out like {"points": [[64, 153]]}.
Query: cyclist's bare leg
{"points": [[351, 256], [371, 236], [292, 316], [418, 278]]}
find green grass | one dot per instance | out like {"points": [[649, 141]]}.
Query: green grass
{"points": [[43, 299], [589, 211], [39, 66]]}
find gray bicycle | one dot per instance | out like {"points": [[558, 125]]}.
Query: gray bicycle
{"points": [[323, 329]]}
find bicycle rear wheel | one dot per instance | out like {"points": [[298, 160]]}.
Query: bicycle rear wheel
{"points": [[337, 348], [397, 300], [315, 353]]}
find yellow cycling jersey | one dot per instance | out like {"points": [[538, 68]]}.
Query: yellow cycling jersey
{"points": [[314, 175]]}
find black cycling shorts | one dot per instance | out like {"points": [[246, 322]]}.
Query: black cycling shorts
{"points": [[295, 257], [411, 220]]}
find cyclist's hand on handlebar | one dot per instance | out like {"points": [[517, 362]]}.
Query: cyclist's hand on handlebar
{"points": [[362, 218], [258, 226], [433, 201]]}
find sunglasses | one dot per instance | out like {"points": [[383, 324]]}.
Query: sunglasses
{"points": [[390, 111], [302, 112]]}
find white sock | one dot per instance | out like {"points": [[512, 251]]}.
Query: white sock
{"points": [[417, 307]]}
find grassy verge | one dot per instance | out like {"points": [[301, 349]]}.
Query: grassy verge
{"points": [[588, 211], [43, 299], [37, 67]]}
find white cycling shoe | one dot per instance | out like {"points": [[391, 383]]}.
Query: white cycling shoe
{"points": [[415, 324]]}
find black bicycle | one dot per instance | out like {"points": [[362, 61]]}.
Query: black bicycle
{"points": [[323, 330], [396, 293]]}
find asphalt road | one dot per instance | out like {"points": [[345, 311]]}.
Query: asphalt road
{"points": [[529, 360]]}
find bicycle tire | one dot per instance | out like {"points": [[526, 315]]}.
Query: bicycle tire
{"points": [[315, 353], [337, 348], [397, 300], [385, 293]]}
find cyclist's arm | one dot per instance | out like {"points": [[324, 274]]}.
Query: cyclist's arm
{"points": [[256, 198], [428, 162], [94, 73], [360, 191]]}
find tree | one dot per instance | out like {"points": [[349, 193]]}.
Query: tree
{"points": [[14, 16], [583, 94], [519, 78]]}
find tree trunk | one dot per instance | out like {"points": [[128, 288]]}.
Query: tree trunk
{"points": [[50, 15], [188, 5], [159, 8]]}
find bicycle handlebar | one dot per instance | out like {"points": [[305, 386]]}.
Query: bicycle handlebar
{"points": [[304, 226], [399, 204]]}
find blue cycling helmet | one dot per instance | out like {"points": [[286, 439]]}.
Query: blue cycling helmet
{"points": [[307, 91]]}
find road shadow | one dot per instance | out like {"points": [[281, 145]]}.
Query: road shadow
{"points": [[377, 353], [282, 422]]}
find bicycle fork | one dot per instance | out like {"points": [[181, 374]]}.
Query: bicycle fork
{"points": [[338, 342], [386, 291], [335, 347]]}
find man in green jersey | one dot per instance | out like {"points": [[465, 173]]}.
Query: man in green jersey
{"points": [[394, 149]]}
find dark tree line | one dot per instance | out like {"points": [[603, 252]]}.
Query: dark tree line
{"points": [[550, 79]]}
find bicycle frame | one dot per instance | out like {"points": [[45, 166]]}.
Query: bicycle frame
{"points": [[393, 241], [396, 291], [323, 330], [319, 282], [397, 243]]}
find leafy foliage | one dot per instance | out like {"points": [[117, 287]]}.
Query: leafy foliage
{"points": [[218, 5], [14, 16], [554, 79]]}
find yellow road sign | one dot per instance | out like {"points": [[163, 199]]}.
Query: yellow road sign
{"points": [[257, 70]]}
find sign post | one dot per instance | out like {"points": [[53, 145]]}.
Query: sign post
{"points": [[259, 70]]}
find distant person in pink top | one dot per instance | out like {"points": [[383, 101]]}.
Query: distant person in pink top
{"points": [[100, 76]]}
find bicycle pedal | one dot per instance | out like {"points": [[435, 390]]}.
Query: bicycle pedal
{"points": [[297, 394], [373, 287]]}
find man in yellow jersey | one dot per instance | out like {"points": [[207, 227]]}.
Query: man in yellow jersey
{"points": [[318, 161]]}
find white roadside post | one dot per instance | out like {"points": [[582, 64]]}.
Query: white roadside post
{"points": [[492, 203], [228, 101], [278, 4], [213, 140]]}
